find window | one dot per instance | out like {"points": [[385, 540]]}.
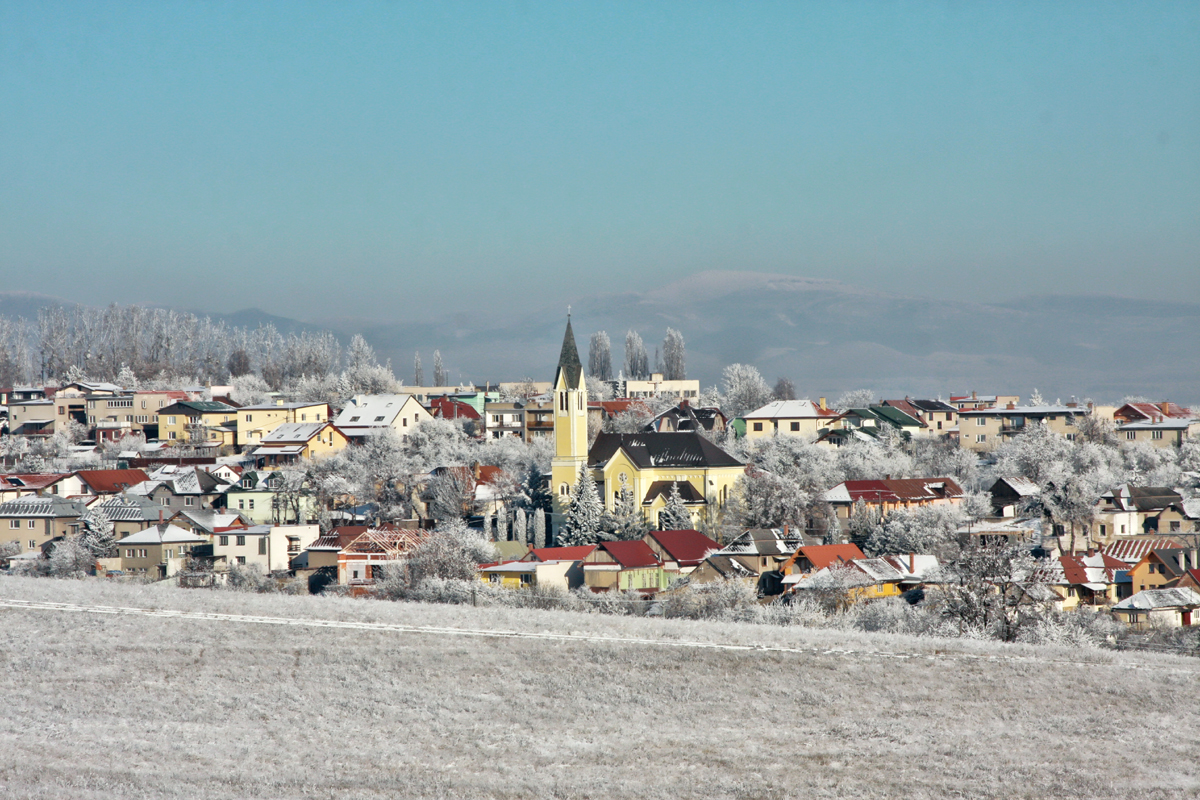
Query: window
{"points": [[171, 435], [354, 419], [980, 422], [980, 438], [262, 545], [304, 417], [249, 418], [526, 579], [170, 420], [143, 404], [32, 524], [948, 417], [758, 426], [564, 490], [14, 523], [166, 501], [1130, 434], [189, 501], [1103, 530], [1175, 526], [404, 422], [129, 553], [141, 552], [379, 419], [493, 578], [241, 559], [795, 426], [223, 541], [251, 504], [167, 553], [241, 541], [1155, 434], [241, 505]]}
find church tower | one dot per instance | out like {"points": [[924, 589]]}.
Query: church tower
{"points": [[570, 426]]}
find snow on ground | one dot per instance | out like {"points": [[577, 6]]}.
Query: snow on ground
{"points": [[327, 697]]}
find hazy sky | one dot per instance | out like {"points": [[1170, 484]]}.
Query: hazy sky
{"points": [[381, 159]]}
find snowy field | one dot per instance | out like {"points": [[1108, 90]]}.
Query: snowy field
{"points": [[150, 691]]}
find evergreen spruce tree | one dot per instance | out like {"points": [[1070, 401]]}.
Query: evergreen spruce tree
{"points": [[583, 517], [675, 516], [628, 521], [520, 533], [502, 525]]}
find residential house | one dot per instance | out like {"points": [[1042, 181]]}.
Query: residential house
{"points": [[256, 421], [253, 497], [789, 417], [939, 418], [147, 404], [206, 521], [866, 578], [624, 566], [158, 551], [1161, 424], [681, 551], [1161, 568], [983, 429], [1011, 495], [868, 425], [685, 417], [890, 495], [572, 555], [1148, 412], [367, 414], [1146, 510], [176, 488], [323, 552], [505, 420], [539, 419], [754, 553], [33, 417], [1083, 579], [975, 400], [108, 481], [528, 574], [128, 513], [270, 547], [1159, 608], [20, 484], [204, 421], [34, 520], [457, 410], [71, 402], [293, 441]]}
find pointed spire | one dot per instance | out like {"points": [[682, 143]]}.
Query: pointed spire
{"points": [[568, 359]]}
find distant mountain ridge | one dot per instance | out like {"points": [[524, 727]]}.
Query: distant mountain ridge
{"points": [[826, 336]]}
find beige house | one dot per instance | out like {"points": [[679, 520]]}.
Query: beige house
{"points": [[367, 414], [36, 519], [1162, 432], [983, 429], [292, 441], [974, 400], [270, 547], [158, 551], [31, 417], [255, 422], [790, 418], [658, 386], [216, 422]]}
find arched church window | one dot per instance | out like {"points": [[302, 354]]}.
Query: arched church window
{"points": [[564, 489]]}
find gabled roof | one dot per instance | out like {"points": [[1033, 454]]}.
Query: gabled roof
{"points": [[1147, 412], [663, 489], [449, 408], [1143, 498], [1148, 599], [577, 553], [647, 450], [631, 555], [908, 409], [894, 490], [111, 481], [824, 555], [1131, 551], [688, 547], [791, 409], [343, 535], [162, 534], [366, 410], [1022, 487], [763, 542], [569, 365], [211, 520], [31, 481], [294, 432], [128, 508], [50, 506]]}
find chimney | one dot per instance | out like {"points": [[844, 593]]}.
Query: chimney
{"points": [[1011, 405], [1165, 408], [823, 406], [912, 563], [974, 396], [1091, 551], [160, 516]]}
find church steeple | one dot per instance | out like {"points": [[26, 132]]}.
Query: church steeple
{"points": [[569, 364]]}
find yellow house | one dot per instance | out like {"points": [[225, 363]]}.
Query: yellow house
{"points": [[648, 463], [294, 440], [527, 574], [181, 420], [255, 422]]}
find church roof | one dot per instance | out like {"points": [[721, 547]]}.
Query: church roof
{"points": [[649, 450], [568, 360]]}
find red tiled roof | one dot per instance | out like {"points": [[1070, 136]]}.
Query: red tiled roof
{"points": [[449, 408], [631, 554], [897, 490], [560, 553], [492, 475], [1131, 551], [823, 555], [688, 548], [34, 481], [1151, 411], [111, 481]]}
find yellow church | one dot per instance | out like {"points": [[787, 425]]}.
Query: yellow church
{"points": [[649, 463]]}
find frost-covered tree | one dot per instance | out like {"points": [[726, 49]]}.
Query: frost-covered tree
{"points": [[600, 357], [1036, 399], [449, 495], [96, 534], [674, 356], [597, 389], [520, 530], [71, 558], [744, 390], [856, 398], [980, 590], [927, 529], [539, 527], [1033, 454], [440, 378], [675, 515], [884, 458], [452, 551], [418, 372], [637, 365], [626, 522], [582, 523], [249, 389], [784, 389]]}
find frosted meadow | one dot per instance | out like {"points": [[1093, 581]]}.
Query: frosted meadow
{"points": [[103, 705]]}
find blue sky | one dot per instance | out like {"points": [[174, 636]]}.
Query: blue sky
{"points": [[326, 160]]}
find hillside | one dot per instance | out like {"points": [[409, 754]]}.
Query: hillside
{"points": [[326, 697]]}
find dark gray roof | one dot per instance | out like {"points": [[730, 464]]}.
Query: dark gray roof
{"points": [[687, 491], [568, 360], [47, 505], [648, 450], [128, 508]]}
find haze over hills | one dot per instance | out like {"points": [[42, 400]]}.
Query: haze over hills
{"points": [[826, 336]]}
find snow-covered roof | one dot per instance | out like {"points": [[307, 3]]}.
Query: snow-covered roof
{"points": [[791, 409], [162, 534], [294, 432], [1159, 598]]}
